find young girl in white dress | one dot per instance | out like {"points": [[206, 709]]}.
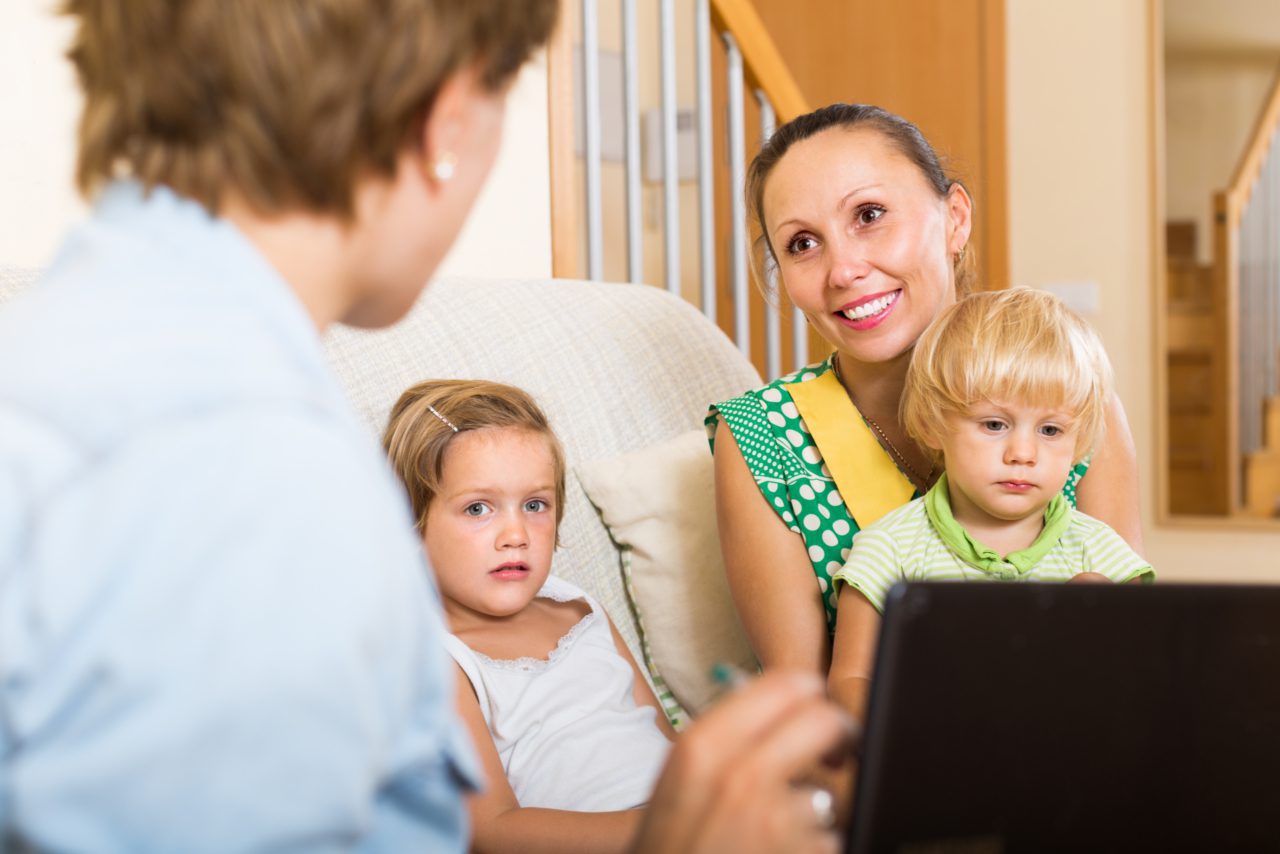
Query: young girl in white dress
{"points": [[569, 733]]}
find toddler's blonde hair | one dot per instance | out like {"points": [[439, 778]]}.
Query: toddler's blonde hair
{"points": [[1018, 345], [416, 438]]}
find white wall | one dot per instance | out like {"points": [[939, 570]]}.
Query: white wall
{"points": [[1080, 179], [1211, 104], [37, 132], [509, 233]]}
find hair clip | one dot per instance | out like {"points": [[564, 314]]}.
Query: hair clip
{"points": [[446, 421]]}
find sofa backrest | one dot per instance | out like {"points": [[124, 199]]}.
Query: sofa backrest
{"points": [[616, 367]]}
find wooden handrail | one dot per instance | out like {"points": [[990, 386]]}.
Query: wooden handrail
{"points": [[1255, 152], [740, 19]]}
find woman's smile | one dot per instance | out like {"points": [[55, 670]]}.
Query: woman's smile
{"points": [[870, 311]]}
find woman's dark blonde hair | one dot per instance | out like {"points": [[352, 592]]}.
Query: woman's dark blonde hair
{"points": [[287, 101], [900, 133], [416, 438]]}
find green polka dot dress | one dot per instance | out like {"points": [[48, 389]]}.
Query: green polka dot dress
{"points": [[789, 470]]}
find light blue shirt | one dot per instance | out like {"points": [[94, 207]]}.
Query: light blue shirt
{"points": [[217, 631]]}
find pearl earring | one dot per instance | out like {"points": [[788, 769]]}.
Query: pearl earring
{"points": [[444, 166]]}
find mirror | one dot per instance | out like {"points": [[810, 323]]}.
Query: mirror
{"points": [[1218, 303]]}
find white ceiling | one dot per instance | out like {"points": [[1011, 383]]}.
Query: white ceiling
{"points": [[1222, 25]]}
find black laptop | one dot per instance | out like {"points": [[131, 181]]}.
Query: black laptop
{"points": [[1078, 717]]}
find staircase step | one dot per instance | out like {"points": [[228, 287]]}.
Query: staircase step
{"points": [[1271, 423], [1190, 332], [1262, 484], [1190, 283], [1180, 238]]}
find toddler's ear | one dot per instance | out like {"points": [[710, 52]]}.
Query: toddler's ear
{"points": [[933, 442]]}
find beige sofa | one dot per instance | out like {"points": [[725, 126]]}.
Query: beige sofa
{"points": [[618, 368]]}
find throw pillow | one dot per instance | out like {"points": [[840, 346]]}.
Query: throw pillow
{"points": [[659, 504]]}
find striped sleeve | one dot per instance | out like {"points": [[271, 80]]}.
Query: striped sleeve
{"points": [[1106, 553], [873, 566]]}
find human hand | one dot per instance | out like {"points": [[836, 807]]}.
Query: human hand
{"points": [[1089, 578], [729, 784]]}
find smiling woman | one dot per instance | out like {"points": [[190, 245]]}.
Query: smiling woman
{"points": [[868, 237]]}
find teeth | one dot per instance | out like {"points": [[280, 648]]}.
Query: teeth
{"points": [[867, 309]]}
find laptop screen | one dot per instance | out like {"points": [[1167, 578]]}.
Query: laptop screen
{"points": [[1090, 717]]}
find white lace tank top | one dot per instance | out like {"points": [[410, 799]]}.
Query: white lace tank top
{"points": [[567, 729]]}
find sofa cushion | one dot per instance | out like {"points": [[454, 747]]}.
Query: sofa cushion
{"points": [[656, 504]]}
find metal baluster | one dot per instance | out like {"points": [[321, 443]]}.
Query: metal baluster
{"points": [[1272, 268], [706, 177], [631, 109], [772, 314], [1246, 332], [737, 204], [591, 123], [670, 164], [799, 339], [1250, 386]]}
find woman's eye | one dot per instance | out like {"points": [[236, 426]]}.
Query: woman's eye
{"points": [[536, 505], [801, 243], [867, 214], [475, 508]]}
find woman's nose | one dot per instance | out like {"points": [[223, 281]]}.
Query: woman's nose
{"points": [[848, 262]]}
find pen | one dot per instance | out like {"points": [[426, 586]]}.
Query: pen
{"points": [[729, 676]]}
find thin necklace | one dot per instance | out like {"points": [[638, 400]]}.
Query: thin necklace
{"points": [[921, 483]]}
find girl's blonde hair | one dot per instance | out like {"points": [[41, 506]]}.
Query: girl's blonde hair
{"points": [[1018, 345], [427, 417]]}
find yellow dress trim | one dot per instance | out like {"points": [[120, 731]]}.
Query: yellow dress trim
{"points": [[864, 473]]}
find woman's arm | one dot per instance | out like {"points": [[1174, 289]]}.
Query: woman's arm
{"points": [[1109, 490], [499, 823], [854, 653], [643, 694], [769, 573]]}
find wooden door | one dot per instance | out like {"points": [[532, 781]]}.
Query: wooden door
{"points": [[939, 63]]}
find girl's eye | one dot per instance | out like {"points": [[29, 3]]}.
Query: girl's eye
{"points": [[992, 425], [536, 505], [867, 214], [475, 508], [800, 243], [1051, 430]]}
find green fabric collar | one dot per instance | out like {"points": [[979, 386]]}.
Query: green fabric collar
{"points": [[1057, 518]]}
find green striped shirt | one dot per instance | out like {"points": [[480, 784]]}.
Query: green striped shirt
{"points": [[905, 545]]}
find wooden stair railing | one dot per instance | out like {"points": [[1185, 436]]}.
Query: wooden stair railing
{"points": [[1245, 365], [741, 76]]}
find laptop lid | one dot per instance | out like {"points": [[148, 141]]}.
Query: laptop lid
{"points": [[1076, 717]]}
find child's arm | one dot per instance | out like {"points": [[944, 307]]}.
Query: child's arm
{"points": [[644, 695], [854, 651], [499, 823]]}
